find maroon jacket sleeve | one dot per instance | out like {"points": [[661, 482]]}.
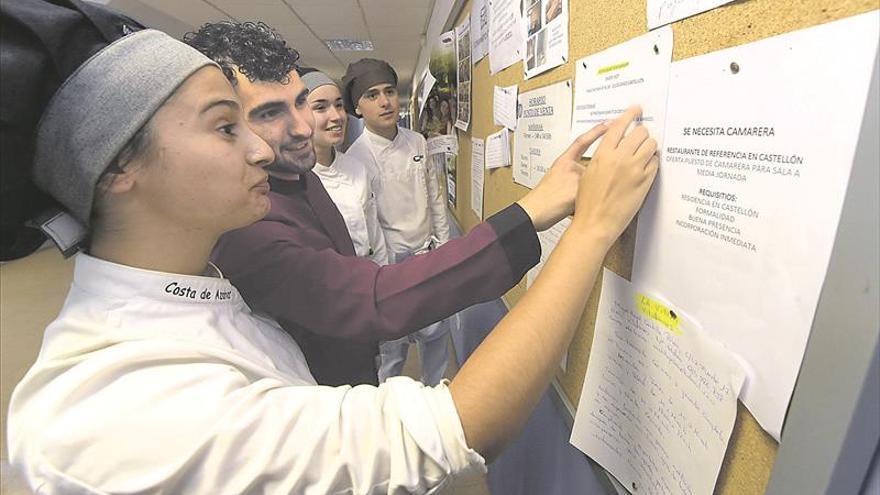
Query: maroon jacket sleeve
{"points": [[351, 297]]}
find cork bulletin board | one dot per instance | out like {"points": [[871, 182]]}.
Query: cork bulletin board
{"points": [[594, 26]]}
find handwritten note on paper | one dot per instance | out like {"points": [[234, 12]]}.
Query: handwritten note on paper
{"points": [[662, 12], [504, 106], [658, 403]]}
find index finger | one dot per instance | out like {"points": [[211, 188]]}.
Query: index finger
{"points": [[577, 149], [618, 127]]}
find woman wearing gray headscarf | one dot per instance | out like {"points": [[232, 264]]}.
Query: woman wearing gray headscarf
{"points": [[157, 378], [348, 182]]}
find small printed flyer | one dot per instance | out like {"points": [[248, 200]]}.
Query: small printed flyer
{"points": [[546, 35], [464, 61], [542, 131]]}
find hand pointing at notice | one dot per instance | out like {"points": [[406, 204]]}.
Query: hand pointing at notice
{"points": [[492, 401]]}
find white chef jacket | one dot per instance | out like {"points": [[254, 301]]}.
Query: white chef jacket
{"points": [[412, 210], [153, 382], [349, 186]]}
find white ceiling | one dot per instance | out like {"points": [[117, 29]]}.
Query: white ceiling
{"points": [[396, 27]]}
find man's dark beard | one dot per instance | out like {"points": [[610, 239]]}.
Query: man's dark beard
{"points": [[291, 168]]}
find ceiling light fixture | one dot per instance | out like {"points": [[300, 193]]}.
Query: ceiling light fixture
{"points": [[346, 45]]}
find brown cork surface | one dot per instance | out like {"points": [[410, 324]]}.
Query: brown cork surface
{"points": [[594, 26]]}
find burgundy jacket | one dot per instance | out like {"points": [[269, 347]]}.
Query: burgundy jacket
{"points": [[298, 266]]}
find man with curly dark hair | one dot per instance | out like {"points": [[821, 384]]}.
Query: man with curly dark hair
{"points": [[298, 264], [250, 48], [262, 68]]}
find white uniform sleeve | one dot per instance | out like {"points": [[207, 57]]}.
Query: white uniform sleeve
{"points": [[359, 151], [436, 202], [161, 423]]}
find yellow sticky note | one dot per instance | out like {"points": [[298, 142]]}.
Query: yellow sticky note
{"points": [[658, 312]]}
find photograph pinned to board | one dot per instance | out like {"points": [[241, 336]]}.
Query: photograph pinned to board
{"points": [[505, 34], [463, 86], [437, 116], [546, 43], [479, 30], [542, 131]]}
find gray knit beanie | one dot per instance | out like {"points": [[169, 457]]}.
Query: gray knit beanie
{"points": [[98, 109], [315, 79]]}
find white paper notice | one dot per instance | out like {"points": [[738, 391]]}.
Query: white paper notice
{"points": [[632, 73], [659, 397], [504, 106], [450, 190], [742, 217], [447, 143], [548, 239], [505, 34], [428, 81], [479, 30], [662, 12], [478, 167], [498, 150], [546, 40], [542, 132]]}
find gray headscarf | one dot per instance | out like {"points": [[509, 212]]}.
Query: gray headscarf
{"points": [[98, 109]]}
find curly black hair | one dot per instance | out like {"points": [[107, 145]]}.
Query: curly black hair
{"points": [[253, 49]]}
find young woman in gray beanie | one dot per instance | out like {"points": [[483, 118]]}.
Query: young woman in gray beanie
{"points": [[157, 378], [349, 182]]}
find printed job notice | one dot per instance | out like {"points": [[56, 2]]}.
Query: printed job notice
{"points": [[718, 208], [740, 224], [633, 73]]}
